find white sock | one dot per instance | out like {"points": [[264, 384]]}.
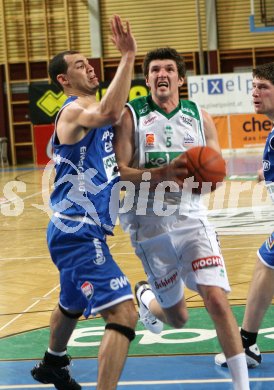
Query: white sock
{"points": [[57, 353], [147, 297], [239, 372]]}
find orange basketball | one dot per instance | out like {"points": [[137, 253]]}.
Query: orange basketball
{"points": [[206, 165]]}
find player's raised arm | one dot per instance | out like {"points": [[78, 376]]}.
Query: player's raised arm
{"points": [[117, 93], [79, 79]]}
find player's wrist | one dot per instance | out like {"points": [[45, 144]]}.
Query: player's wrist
{"points": [[128, 55]]}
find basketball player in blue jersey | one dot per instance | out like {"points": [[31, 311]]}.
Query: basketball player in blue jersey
{"points": [[261, 289], [170, 233], [84, 201]]}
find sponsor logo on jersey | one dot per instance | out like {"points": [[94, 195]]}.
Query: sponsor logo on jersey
{"points": [[150, 140], [87, 290], [188, 139], [168, 130], [144, 110], [149, 120], [107, 140], [111, 167], [188, 110], [167, 282], [207, 262], [158, 159], [100, 258], [266, 165], [81, 169], [187, 120], [117, 283]]}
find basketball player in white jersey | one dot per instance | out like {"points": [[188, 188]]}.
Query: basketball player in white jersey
{"points": [[168, 226]]}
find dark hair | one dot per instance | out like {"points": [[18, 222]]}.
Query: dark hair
{"points": [[165, 53], [265, 71], [58, 65]]}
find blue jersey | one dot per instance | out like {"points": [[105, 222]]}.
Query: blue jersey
{"points": [[268, 163], [86, 174]]}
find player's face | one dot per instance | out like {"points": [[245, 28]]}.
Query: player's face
{"points": [[263, 97], [163, 79], [80, 74]]}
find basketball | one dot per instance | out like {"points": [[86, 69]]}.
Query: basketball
{"points": [[207, 166]]}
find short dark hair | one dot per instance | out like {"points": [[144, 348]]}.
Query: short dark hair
{"points": [[265, 71], [165, 53], [58, 65]]}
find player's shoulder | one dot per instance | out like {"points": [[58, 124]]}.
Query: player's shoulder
{"points": [[138, 101], [141, 105], [189, 107]]}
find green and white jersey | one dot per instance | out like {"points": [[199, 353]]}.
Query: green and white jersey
{"points": [[160, 137]]}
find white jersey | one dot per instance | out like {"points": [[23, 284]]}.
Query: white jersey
{"points": [[171, 235], [159, 138]]}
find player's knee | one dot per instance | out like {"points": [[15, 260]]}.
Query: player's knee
{"points": [[216, 303], [178, 320], [132, 317], [122, 319], [123, 313], [129, 313], [126, 331]]}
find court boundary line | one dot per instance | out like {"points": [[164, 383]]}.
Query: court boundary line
{"points": [[28, 308], [134, 383]]}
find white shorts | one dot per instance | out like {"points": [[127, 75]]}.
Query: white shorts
{"points": [[176, 251]]}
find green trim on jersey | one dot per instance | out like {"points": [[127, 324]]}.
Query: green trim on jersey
{"points": [[190, 108], [142, 105]]}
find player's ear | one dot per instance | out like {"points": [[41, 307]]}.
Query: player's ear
{"points": [[62, 79], [147, 83], [181, 81]]}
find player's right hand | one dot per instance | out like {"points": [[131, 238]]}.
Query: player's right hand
{"points": [[122, 36], [177, 170]]}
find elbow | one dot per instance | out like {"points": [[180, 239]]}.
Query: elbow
{"points": [[113, 116]]}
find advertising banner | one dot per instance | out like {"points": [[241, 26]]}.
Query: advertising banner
{"points": [[42, 141], [249, 130], [221, 123], [47, 99], [221, 94]]}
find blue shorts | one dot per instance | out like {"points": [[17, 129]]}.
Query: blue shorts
{"points": [[90, 279], [266, 252]]}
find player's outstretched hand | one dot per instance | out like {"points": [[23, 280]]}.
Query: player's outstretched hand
{"points": [[122, 37]]}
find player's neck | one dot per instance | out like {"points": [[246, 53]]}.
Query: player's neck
{"points": [[167, 105], [88, 95]]}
